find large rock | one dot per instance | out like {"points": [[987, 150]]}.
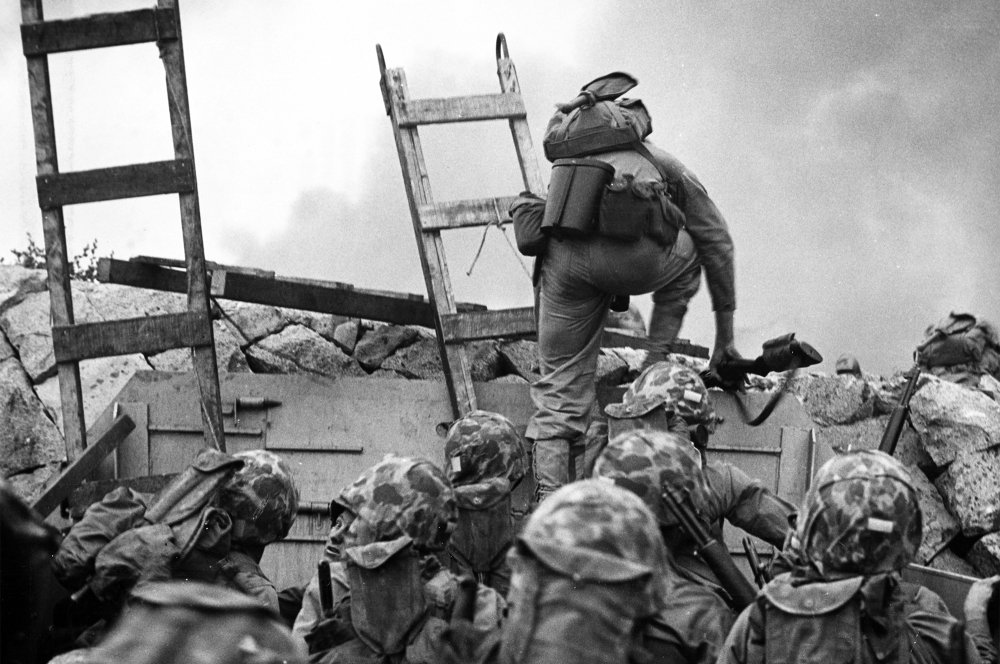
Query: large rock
{"points": [[611, 370], [985, 555], [834, 399], [630, 321], [940, 527], [971, 489], [381, 342], [422, 360], [867, 434], [298, 349], [16, 283], [520, 357], [29, 439], [346, 335], [27, 324], [101, 380], [950, 418], [252, 322]]}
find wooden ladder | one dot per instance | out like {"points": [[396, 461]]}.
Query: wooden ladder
{"points": [[73, 342], [430, 218]]}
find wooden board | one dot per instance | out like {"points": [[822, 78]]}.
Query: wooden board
{"points": [[465, 214], [105, 184], [472, 108], [505, 323], [98, 30], [148, 334]]}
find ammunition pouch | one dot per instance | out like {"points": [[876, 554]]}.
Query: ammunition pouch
{"points": [[575, 190], [633, 208]]}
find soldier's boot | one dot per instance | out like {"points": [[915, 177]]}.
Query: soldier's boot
{"points": [[554, 465], [664, 326]]}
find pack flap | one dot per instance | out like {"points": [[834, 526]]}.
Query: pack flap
{"points": [[811, 599]]}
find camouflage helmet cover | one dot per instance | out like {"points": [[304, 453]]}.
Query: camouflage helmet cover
{"points": [[482, 446], [594, 530], [646, 461], [398, 501], [261, 498], [674, 386], [860, 515]]}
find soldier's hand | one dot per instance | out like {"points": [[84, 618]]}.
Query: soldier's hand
{"points": [[978, 599]]}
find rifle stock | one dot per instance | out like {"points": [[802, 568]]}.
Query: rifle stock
{"points": [[325, 588], [894, 429], [713, 551]]}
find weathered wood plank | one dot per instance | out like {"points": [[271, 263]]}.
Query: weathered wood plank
{"points": [[86, 464], [474, 108], [506, 323], [104, 184], [149, 334], [98, 31], [466, 213], [307, 295]]}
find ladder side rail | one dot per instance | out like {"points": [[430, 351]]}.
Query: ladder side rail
{"points": [[530, 172], [54, 230], [203, 357], [454, 359]]}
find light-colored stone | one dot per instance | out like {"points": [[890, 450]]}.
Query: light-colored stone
{"points": [[29, 439], [346, 335], [422, 360], [950, 417], [634, 359], [101, 380], [29, 485], [378, 344], [990, 386], [865, 434], [834, 399], [298, 349], [611, 370], [28, 325], [984, 555], [971, 489], [940, 527], [629, 322], [252, 322], [520, 357], [17, 282]]}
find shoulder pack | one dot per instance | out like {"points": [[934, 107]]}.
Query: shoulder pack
{"points": [[960, 339], [600, 127]]}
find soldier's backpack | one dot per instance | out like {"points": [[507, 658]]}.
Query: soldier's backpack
{"points": [[600, 127], [960, 342]]}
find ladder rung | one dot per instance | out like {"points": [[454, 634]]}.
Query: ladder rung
{"points": [[149, 334], [99, 30], [105, 184], [501, 106], [477, 325], [464, 214]]}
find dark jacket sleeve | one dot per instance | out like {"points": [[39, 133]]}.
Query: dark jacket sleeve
{"points": [[709, 231], [748, 504]]}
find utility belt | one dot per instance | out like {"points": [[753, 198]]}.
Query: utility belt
{"points": [[585, 198]]}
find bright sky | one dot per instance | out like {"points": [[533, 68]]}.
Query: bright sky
{"points": [[853, 147]]}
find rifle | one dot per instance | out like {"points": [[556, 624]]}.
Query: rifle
{"points": [[782, 353], [760, 575], [325, 588], [712, 550], [894, 429]]}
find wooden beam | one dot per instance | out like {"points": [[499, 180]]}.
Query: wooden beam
{"points": [[98, 31], [106, 184], [465, 214], [474, 108], [148, 334], [209, 265], [308, 295], [506, 323], [84, 465]]}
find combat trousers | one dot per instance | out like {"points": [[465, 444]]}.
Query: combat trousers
{"points": [[578, 279]]}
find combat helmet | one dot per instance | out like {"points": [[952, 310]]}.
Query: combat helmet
{"points": [[261, 498], [396, 502], [646, 462], [594, 530], [482, 446], [860, 516], [669, 384]]}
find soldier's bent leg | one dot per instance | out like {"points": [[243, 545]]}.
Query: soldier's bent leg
{"points": [[551, 459]]}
